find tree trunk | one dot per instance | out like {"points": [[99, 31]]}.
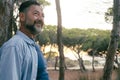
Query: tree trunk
{"points": [[93, 60], [93, 63], [80, 60], [48, 58], [81, 64], [113, 42], [118, 72], [6, 13], [59, 41], [118, 67], [56, 62]]}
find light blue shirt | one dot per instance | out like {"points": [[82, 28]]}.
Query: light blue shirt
{"points": [[21, 60]]}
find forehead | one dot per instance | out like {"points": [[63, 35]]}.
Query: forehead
{"points": [[36, 8]]}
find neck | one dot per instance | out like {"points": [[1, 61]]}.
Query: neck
{"points": [[27, 32]]}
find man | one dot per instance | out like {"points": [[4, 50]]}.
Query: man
{"points": [[20, 57]]}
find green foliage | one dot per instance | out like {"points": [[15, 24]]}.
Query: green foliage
{"points": [[109, 15], [48, 36], [44, 2], [73, 37], [43, 38], [50, 54], [97, 39], [86, 39], [80, 39]]}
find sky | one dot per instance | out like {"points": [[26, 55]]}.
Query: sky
{"points": [[79, 13]]}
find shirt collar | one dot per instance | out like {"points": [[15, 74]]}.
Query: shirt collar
{"points": [[25, 37]]}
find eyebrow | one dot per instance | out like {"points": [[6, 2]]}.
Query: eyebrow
{"points": [[39, 12], [36, 11]]}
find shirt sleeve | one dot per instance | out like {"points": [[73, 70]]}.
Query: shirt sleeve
{"points": [[10, 65]]}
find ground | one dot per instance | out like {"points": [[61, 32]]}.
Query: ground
{"points": [[77, 75]]}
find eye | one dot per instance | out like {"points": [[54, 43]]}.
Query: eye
{"points": [[35, 13]]}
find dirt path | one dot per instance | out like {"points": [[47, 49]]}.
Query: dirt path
{"points": [[77, 75]]}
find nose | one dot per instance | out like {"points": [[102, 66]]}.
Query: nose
{"points": [[40, 19]]}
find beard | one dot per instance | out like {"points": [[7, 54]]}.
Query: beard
{"points": [[33, 28]]}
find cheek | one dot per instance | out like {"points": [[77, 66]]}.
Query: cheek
{"points": [[29, 20], [35, 17]]}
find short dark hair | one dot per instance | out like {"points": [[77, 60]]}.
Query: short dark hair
{"points": [[27, 4]]}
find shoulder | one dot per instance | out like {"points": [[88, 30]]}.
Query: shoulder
{"points": [[14, 46], [16, 42]]}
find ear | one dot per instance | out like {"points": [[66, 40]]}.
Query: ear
{"points": [[22, 16]]}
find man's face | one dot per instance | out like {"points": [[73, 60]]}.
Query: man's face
{"points": [[34, 19]]}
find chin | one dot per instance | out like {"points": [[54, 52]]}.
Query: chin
{"points": [[38, 29]]}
